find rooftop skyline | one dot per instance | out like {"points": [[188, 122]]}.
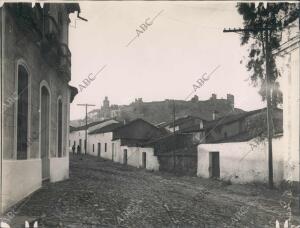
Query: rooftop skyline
{"points": [[164, 60]]}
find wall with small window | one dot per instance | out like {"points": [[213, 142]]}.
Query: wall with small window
{"points": [[133, 156], [103, 145]]}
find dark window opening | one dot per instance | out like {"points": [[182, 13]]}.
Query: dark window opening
{"points": [[225, 135], [105, 147], [22, 114], [60, 129]]}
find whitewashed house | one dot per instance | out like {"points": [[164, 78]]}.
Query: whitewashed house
{"points": [[77, 135], [129, 140], [123, 143], [236, 148], [100, 141], [35, 97]]}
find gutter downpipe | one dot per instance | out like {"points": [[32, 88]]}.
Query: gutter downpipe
{"points": [[2, 9]]}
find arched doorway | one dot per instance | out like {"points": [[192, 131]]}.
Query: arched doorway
{"points": [[44, 131]]}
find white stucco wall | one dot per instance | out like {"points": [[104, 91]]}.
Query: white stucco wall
{"points": [[134, 156], [100, 138], [59, 169], [288, 64], [75, 136], [152, 161], [243, 162], [20, 179], [291, 107]]}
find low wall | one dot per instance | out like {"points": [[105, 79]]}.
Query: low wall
{"points": [[59, 169], [185, 161], [184, 164], [243, 162], [20, 179]]}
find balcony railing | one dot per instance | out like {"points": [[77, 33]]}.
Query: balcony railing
{"points": [[42, 28]]}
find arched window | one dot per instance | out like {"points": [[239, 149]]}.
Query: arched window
{"points": [[59, 128], [45, 101], [22, 113]]}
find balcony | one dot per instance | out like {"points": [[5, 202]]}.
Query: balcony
{"points": [[42, 29]]}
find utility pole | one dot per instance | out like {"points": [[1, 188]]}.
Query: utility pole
{"points": [[174, 161], [86, 140], [268, 93], [269, 110], [299, 106]]}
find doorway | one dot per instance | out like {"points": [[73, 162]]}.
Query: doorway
{"points": [[44, 132], [144, 159], [80, 146], [99, 149], [125, 157], [112, 151], [214, 165]]}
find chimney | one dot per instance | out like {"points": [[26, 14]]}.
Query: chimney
{"points": [[230, 99], [213, 96], [214, 115]]}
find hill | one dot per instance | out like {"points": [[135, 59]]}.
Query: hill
{"points": [[162, 111]]}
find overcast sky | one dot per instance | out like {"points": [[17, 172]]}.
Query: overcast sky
{"points": [[184, 41]]}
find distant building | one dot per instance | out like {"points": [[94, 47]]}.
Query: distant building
{"points": [[100, 140], [108, 111], [183, 123], [77, 135], [241, 126], [123, 143], [129, 140]]}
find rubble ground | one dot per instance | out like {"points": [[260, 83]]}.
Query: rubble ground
{"points": [[101, 193]]}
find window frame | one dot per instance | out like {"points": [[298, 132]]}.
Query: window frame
{"points": [[45, 84], [62, 127], [23, 63]]}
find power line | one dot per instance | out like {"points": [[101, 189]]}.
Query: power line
{"points": [[269, 108]]}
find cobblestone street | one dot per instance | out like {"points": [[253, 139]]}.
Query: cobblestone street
{"points": [[100, 193]]}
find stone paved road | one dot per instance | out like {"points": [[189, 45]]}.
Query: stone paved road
{"points": [[100, 193]]}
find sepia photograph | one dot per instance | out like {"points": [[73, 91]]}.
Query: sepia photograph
{"points": [[149, 114]]}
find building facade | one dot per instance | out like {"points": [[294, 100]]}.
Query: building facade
{"points": [[123, 143], [288, 61], [100, 140], [35, 97], [77, 136]]}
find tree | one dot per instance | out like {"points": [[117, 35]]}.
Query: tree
{"points": [[275, 16]]}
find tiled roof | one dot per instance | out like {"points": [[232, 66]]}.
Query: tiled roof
{"points": [[230, 118], [83, 127], [184, 119], [254, 130], [126, 131], [107, 128]]}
